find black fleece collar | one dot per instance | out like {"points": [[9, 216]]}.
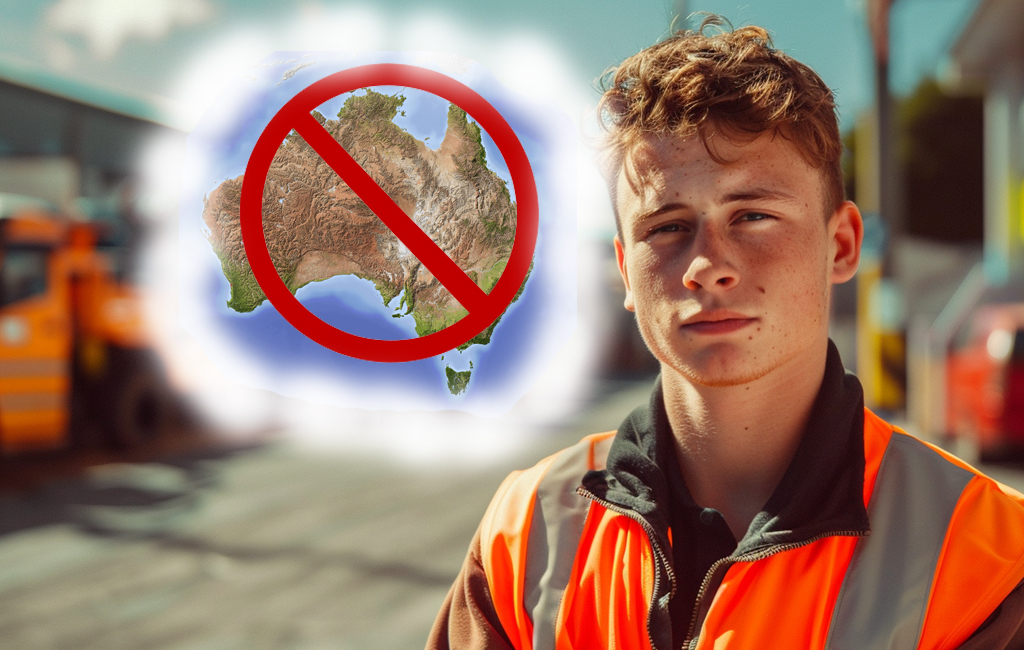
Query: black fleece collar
{"points": [[821, 492]]}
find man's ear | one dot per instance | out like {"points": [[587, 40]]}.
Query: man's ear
{"points": [[620, 258], [846, 232]]}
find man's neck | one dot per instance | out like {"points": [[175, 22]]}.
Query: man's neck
{"points": [[734, 443]]}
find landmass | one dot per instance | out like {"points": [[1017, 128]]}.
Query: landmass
{"points": [[457, 381], [317, 228]]}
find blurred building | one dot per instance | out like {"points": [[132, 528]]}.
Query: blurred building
{"points": [[73, 145], [990, 54], [987, 59]]}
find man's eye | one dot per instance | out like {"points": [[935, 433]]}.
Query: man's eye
{"points": [[755, 216], [668, 227]]}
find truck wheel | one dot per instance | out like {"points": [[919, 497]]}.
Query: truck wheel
{"points": [[139, 410]]}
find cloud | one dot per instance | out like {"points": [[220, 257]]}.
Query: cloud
{"points": [[107, 24]]}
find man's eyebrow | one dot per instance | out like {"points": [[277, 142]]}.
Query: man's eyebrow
{"points": [[668, 207], [755, 194]]}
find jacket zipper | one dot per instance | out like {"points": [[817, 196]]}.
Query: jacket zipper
{"points": [[691, 641], [653, 538]]}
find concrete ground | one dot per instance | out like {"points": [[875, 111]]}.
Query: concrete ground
{"points": [[261, 548]]}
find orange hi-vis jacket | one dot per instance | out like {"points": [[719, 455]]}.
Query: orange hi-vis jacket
{"points": [[569, 570]]}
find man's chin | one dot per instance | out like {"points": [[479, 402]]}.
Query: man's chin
{"points": [[723, 379], [726, 367], [722, 373]]}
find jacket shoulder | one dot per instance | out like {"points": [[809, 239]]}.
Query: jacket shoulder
{"points": [[505, 529], [982, 553], [515, 493]]}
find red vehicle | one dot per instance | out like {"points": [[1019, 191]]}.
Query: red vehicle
{"points": [[985, 384]]}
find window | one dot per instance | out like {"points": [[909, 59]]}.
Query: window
{"points": [[22, 274]]}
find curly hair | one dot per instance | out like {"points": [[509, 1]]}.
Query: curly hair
{"points": [[733, 82]]}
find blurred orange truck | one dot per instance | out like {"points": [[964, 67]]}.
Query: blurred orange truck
{"points": [[74, 353]]}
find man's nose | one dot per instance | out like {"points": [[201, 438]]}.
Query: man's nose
{"points": [[709, 269]]}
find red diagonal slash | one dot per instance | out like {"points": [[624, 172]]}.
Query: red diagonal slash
{"points": [[419, 244]]}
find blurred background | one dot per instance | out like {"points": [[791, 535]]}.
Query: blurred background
{"points": [[147, 501]]}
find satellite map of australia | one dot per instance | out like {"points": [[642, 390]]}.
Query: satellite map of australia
{"points": [[317, 228]]}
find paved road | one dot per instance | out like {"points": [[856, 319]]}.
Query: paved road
{"points": [[261, 548], [267, 547]]}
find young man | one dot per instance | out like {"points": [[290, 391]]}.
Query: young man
{"points": [[753, 502]]}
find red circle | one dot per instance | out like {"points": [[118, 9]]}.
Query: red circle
{"points": [[251, 213]]}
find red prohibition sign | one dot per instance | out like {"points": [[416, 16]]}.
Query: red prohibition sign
{"points": [[483, 308]]}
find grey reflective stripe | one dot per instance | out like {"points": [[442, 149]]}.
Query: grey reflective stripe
{"points": [[555, 529], [882, 601], [32, 367], [17, 402]]}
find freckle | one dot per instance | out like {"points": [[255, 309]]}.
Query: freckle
{"points": [[761, 289], [750, 338], [746, 428]]}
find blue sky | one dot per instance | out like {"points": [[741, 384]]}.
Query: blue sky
{"points": [[145, 49], [832, 37]]}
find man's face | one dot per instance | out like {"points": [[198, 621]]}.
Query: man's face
{"points": [[729, 266]]}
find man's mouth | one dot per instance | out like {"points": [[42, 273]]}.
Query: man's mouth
{"points": [[717, 321]]}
